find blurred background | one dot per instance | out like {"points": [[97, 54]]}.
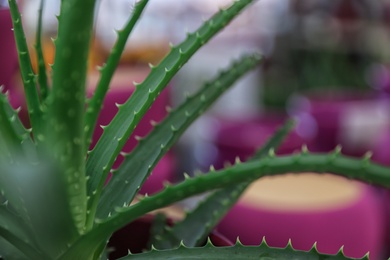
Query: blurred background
{"points": [[326, 63], [314, 52]]}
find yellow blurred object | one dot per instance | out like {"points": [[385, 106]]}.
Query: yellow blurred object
{"points": [[96, 57], [137, 54]]}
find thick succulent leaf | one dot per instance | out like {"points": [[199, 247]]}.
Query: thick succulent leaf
{"points": [[130, 113], [8, 251], [236, 252], [36, 215], [194, 229], [42, 76], [24, 247], [16, 237], [13, 135], [18, 128], [361, 169], [64, 131], [138, 165], [26, 70], [198, 223], [107, 71], [158, 230], [14, 223], [8, 135]]}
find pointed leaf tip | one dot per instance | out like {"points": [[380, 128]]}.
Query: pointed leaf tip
{"points": [[337, 149], [264, 242], [367, 156], [237, 160], [304, 149], [271, 152], [138, 138]]}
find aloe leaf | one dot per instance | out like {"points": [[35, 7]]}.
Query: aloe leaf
{"points": [[8, 133], [8, 251], [13, 134], [66, 102], [238, 251], [16, 124], [360, 169], [16, 232], [107, 71], [26, 187], [26, 248], [42, 77], [158, 229], [138, 165], [115, 135], [5, 153], [26, 70], [194, 229]]}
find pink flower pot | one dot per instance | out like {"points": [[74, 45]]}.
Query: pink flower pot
{"points": [[381, 155], [270, 212], [356, 223], [381, 150], [353, 120], [8, 54], [243, 138], [387, 215]]}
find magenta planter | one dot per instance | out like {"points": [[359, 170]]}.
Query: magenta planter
{"points": [[381, 155], [353, 120], [381, 150], [243, 138], [387, 209], [8, 54], [357, 224]]}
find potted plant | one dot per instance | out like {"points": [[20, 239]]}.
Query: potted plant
{"points": [[285, 207], [55, 204]]}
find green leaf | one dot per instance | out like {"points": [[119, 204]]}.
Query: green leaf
{"points": [[138, 165], [8, 251], [8, 133], [17, 235], [13, 135], [158, 229], [42, 77], [107, 71], [197, 225], [66, 102], [26, 70], [12, 114], [236, 252], [45, 218], [115, 135], [361, 169]]}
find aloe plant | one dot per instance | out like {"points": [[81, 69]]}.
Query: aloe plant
{"points": [[54, 201]]}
